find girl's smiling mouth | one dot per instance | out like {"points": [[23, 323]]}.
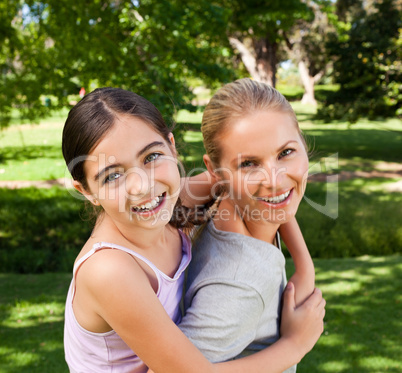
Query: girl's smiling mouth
{"points": [[150, 206]]}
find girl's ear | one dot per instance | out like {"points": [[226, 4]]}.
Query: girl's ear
{"points": [[210, 167], [172, 143], [171, 139], [90, 197]]}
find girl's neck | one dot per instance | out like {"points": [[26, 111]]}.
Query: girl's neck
{"points": [[140, 238], [231, 218]]}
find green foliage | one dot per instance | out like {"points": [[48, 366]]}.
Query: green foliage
{"points": [[55, 47], [41, 230], [367, 64]]}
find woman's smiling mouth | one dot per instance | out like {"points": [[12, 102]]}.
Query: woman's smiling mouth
{"points": [[277, 199]]}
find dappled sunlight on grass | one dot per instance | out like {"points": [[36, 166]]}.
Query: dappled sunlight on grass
{"points": [[362, 323], [334, 366], [31, 322], [29, 313], [363, 319]]}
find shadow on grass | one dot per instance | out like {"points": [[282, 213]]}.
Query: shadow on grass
{"points": [[368, 219], [30, 152], [362, 322], [368, 144]]}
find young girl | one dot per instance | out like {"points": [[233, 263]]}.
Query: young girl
{"points": [[123, 301], [257, 154]]}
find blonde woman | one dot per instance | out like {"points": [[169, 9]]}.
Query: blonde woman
{"points": [[257, 155]]}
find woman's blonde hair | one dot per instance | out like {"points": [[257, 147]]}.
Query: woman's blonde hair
{"points": [[237, 100]]}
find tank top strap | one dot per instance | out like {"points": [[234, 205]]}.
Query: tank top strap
{"points": [[186, 250], [108, 245]]}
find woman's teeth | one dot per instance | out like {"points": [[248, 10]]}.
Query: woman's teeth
{"points": [[149, 205], [277, 199]]}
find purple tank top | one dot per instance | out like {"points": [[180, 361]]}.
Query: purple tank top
{"points": [[90, 352]]}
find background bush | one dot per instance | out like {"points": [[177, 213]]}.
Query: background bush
{"points": [[43, 229]]}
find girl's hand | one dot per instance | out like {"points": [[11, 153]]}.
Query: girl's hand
{"points": [[302, 325]]}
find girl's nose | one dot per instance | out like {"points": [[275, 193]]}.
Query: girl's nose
{"points": [[138, 182]]}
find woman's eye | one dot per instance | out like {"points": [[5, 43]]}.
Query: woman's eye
{"points": [[152, 157], [246, 164], [112, 177], [285, 152]]}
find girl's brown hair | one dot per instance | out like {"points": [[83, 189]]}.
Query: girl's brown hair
{"points": [[89, 121]]}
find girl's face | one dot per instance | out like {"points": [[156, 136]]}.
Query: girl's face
{"points": [[132, 173], [264, 166]]}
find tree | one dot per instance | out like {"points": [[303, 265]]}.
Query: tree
{"points": [[151, 47], [306, 43], [20, 52], [256, 30], [367, 64]]}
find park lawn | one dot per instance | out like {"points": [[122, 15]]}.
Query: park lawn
{"points": [[362, 323], [33, 152]]}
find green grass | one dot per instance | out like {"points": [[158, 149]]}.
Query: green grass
{"points": [[364, 220], [362, 323], [33, 152], [31, 327]]}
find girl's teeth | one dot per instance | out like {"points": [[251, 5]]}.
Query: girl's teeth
{"points": [[149, 205]]}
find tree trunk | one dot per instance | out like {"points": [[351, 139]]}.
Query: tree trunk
{"points": [[266, 60], [308, 83], [261, 62]]}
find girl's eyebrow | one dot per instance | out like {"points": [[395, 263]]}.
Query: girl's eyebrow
{"points": [[141, 152], [149, 146], [100, 173]]}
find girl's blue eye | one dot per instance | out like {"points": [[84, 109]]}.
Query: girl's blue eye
{"points": [[152, 157], [112, 177], [285, 152]]}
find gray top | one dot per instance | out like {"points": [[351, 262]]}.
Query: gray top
{"points": [[233, 294]]}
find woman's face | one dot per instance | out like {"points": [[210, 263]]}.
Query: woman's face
{"points": [[264, 166], [132, 173]]}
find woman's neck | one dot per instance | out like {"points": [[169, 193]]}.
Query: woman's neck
{"points": [[231, 218]]}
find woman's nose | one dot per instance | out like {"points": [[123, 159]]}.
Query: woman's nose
{"points": [[273, 176]]}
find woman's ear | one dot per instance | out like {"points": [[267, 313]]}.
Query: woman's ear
{"points": [[210, 167], [90, 197]]}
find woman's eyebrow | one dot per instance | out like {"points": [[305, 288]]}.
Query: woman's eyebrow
{"points": [[286, 144]]}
